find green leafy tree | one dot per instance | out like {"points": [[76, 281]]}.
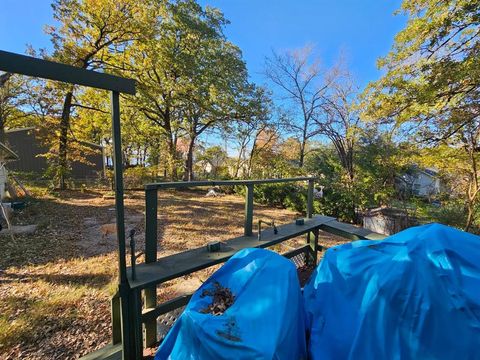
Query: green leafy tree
{"points": [[221, 101], [377, 163], [457, 159], [190, 77], [431, 86], [432, 70], [89, 35], [11, 100], [217, 157]]}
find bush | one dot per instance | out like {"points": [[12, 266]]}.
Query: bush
{"points": [[137, 177], [337, 202], [285, 195], [450, 212]]}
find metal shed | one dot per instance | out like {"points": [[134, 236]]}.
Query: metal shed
{"points": [[27, 143]]}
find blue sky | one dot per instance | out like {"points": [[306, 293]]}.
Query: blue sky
{"points": [[361, 29]]}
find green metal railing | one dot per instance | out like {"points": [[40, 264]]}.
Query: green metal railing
{"points": [[143, 321], [151, 191], [151, 224]]}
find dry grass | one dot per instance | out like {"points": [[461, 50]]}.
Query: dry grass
{"points": [[55, 285]]}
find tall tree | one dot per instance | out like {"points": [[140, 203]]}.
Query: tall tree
{"points": [[338, 120], [244, 134], [164, 61], [457, 158], [190, 77], [89, 35], [432, 85], [432, 69], [217, 99], [303, 83], [11, 99]]}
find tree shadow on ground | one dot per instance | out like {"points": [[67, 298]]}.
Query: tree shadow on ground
{"points": [[70, 227], [93, 280]]}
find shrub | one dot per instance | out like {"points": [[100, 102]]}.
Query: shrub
{"points": [[137, 177], [283, 195]]}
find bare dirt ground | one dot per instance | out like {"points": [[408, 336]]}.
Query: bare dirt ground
{"points": [[56, 284]]}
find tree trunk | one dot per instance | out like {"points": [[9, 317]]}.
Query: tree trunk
{"points": [[189, 176], [302, 151], [473, 186], [63, 140], [2, 128], [470, 213], [237, 165], [252, 154], [172, 157]]}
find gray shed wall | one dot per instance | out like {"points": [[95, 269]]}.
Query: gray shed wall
{"points": [[26, 144]]}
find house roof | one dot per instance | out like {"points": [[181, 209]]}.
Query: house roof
{"points": [[430, 172], [33, 128], [20, 129]]}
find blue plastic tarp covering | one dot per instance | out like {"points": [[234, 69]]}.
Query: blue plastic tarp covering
{"points": [[414, 295], [266, 320]]}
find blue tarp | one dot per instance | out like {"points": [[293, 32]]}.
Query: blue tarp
{"points": [[266, 320], [414, 295]]}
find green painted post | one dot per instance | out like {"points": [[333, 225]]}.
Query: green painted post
{"points": [[310, 199], [310, 208], [151, 224], [314, 246], [136, 319], [150, 294], [123, 287], [248, 227]]}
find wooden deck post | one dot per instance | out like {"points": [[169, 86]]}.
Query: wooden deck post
{"points": [[135, 301]]}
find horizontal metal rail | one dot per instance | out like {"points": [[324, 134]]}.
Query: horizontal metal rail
{"points": [[164, 308], [30, 66], [183, 184], [187, 262], [350, 232]]}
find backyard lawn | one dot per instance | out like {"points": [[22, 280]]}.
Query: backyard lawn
{"points": [[56, 284]]}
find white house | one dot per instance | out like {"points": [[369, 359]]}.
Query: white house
{"points": [[421, 182], [205, 167]]}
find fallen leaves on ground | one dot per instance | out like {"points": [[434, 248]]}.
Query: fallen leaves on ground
{"points": [[56, 284]]}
